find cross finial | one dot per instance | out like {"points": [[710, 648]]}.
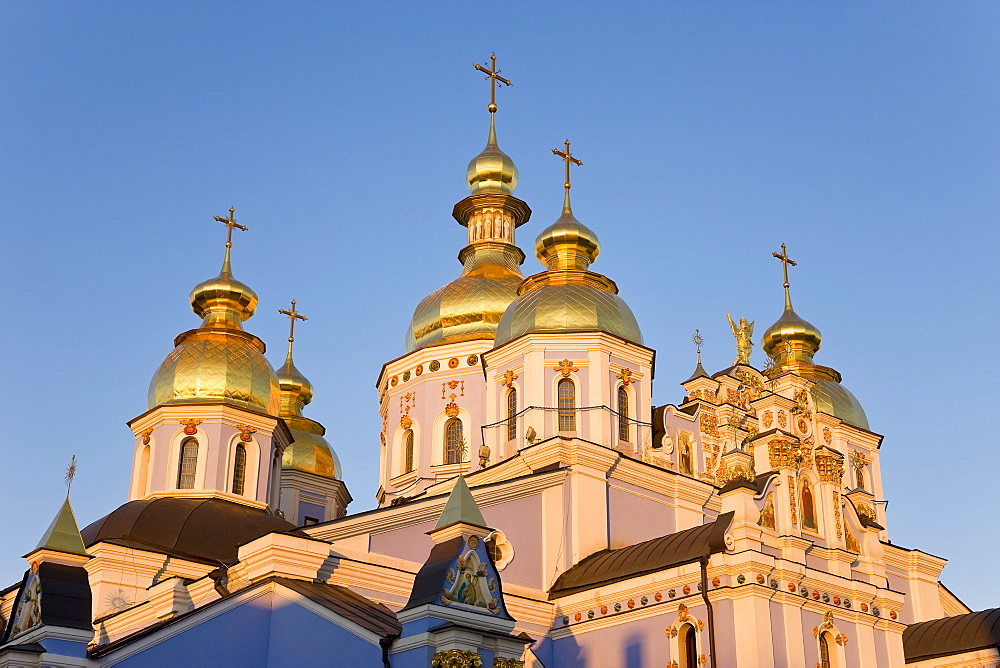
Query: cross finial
{"points": [[70, 474], [230, 222], [493, 74], [293, 315], [698, 340], [567, 158], [785, 261]]}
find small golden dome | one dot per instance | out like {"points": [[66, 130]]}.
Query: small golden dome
{"points": [[218, 362], [567, 243], [791, 340], [492, 170], [309, 451], [296, 390]]}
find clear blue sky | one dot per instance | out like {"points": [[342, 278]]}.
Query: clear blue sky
{"points": [[863, 135]]}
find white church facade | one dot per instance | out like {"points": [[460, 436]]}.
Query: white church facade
{"points": [[534, 507]]}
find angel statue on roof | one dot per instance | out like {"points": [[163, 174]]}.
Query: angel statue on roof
{"points": [[743, 343]]}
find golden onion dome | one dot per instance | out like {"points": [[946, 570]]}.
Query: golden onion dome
{"points": [[218, 362], [567, 297], [567, 243], [791, 340], [470, 307], [309, 451], [296, 390], [492, 170]]}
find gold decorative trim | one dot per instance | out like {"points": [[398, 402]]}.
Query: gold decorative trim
{"points": [[457, 658], [566, 367]]}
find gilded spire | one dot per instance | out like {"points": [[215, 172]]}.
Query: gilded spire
{"points": [[296, 390], [230, 222], [791, 342], [567, 243], [568, 159], [223, 302], [492, 170], [493, 74]]}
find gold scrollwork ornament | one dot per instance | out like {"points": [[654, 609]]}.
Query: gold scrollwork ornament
{"points": [[457, 658]]}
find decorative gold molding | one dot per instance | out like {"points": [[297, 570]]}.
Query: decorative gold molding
{"points": [[501, 662], [457, 658], [565, 367]]}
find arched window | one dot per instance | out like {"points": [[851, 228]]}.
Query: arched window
{"points": [[188, 464], [808, 507], [511, 414], [408, 451], [622, 414], [239, 468], [688, 646], [454, 441], [567, 405], [824, 650], [143, 471]]}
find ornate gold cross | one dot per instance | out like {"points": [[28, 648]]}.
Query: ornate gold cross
{"points": [[493, 74], [698, 340], [293, 315], [626, 376], [566, 368], [508, 378], [567, 158], [231, 223], [785, 261], [70, 474]]}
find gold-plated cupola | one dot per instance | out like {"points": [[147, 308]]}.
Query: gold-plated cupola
{"points": [[218, 362], [567, 296], [791, 343], [309, 450], [470, 307]]}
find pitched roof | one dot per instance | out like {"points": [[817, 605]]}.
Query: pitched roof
{"points": [[952, 635], [63, 535], [367, 614], [461, 507], [650, 556]]}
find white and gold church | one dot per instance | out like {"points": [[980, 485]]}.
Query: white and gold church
{"points": [[534, 507]]}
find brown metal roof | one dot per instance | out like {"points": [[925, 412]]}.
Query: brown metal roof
{"points": [[209, 530], [647, 557], [367, 614], [952, 635]]}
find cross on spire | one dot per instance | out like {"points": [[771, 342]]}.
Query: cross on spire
{"points": [[231, 223], [70, 474], [567, 158], [785, 261], [493, 74], [293, 315]]}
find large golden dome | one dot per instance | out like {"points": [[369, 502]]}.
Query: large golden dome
{"points": [[568, 297], [218, 362], [470, 307]]}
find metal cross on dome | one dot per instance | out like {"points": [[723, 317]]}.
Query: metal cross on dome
{"points": [[567, 158], [293, 315], [785, 261], [231, 223], [493, 74]]}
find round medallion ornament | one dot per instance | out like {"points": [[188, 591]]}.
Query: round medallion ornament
{"points": [[836, 600], [687, 589], [604, 609], [590, 614], [847, 603], [716, 582], [453, 363], [672, 593], [473, 542], [578, 616], [774, 583], [618, 607], [802, 425], [565, 620], [658, 597], [815, 595], [434, 365], [826, 598], [760, 579], [420, 369], [740, 579], [892, 615], [406, 376], [864, 607], [644, 600], [472, 360], [631, 603], [395, 381], [876, 611], [791, 586]]}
